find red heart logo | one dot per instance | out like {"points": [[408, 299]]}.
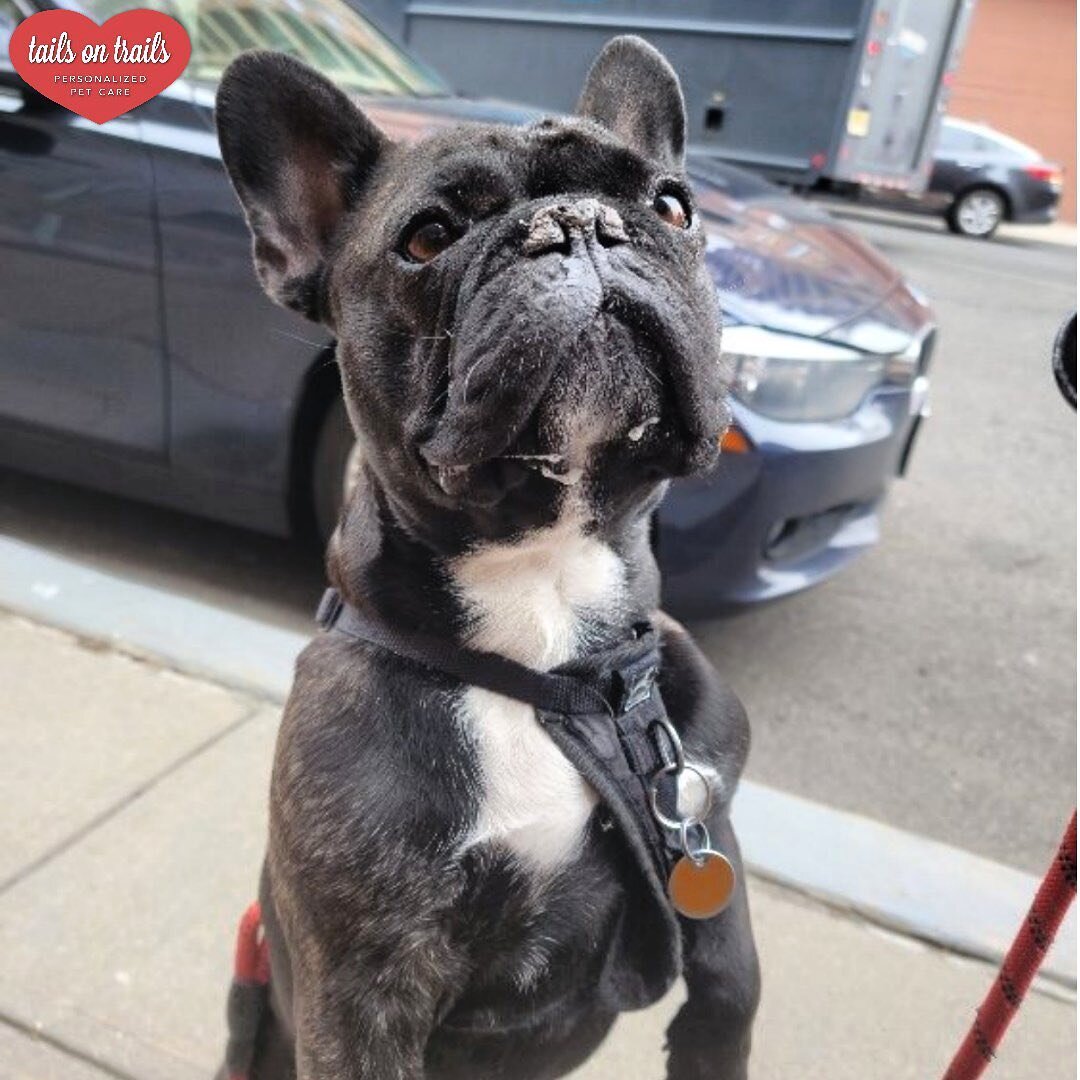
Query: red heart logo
{"points": [[99, 72]]}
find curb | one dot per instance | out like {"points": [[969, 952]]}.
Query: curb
{"points": [[929, 890]]}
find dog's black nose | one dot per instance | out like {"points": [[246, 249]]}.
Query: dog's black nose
{"points": [[551, 227]]}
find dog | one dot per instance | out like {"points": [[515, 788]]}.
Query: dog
{"points": [[529, 351]]}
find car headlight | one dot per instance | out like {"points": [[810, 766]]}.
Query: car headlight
{"points": [[787, 377]]}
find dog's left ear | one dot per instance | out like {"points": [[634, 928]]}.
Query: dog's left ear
{"points": [[299, 154], [634, 92]]}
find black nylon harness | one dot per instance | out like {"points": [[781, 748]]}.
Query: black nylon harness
{"points": [[605, 713]]}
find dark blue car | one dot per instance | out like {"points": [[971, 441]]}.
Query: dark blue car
{"points": [[138, 355], [981, 178]]}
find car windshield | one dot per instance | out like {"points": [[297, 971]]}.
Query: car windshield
{"points": [[327, 34], [955, 137]]}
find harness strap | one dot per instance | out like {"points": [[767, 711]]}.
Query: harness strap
{"points": [[605, 713], [548, 691]]}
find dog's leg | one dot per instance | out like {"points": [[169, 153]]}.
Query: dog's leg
{"points": [[365, 1004], [355, 1028], [710, 1035]]}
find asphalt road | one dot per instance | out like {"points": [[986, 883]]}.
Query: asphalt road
{"points": [[931, 686]]}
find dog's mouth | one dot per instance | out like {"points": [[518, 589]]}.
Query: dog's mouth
{"points": [[599, 411], [573, 438], [492, 479], [550, 466]]}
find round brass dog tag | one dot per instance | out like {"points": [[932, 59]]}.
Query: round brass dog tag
{"points": [[703, 889]]}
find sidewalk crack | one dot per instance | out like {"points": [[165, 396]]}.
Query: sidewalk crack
{"points": [[133, 796], [64, 1047]]}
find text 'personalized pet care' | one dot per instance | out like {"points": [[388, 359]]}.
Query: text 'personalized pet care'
{"points": [[100, 72]]}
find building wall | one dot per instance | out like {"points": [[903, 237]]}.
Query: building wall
{"points": [[1018, 73]]}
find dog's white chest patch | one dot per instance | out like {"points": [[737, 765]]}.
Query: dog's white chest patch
{"points": [[529, 599], [533, 802]]}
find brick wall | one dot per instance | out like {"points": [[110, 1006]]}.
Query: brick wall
{"points": [[1018, 73]]}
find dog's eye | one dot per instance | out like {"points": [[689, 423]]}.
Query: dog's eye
{"points": [[672, 209], [427, 240]]}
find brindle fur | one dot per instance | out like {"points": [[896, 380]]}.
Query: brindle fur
{"points": [[397, 953]]}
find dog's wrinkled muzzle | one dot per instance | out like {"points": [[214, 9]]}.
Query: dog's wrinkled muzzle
{"points": [[517, 328], [575, 299]]}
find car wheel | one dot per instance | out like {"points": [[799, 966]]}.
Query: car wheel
{"points": [[977, 212], [335, 465]]}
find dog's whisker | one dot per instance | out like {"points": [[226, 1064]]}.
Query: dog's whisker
{"points": [[300, 338], [465, 382]]}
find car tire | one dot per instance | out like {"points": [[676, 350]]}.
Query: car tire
{"points": [[335, 465], [976, 213]]}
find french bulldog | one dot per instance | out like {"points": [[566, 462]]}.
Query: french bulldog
{"points": [[529, 351]]}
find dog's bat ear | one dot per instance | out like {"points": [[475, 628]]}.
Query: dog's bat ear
{"points": [[634, 92], [299, 153]]}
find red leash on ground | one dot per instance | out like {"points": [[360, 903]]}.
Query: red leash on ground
{"points": [[1020, 965]]}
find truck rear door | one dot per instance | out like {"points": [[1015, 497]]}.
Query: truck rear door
{"points": [[901, 85]]}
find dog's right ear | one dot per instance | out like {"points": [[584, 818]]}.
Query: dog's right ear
{"points": [[299, 153], [633, 91]]}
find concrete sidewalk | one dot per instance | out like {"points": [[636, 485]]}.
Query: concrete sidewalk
{"points": [[133, 828]]}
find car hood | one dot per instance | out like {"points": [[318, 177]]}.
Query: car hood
{"points": [[781, 262], [778, 261]]}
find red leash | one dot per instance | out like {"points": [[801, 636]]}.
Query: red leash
{"points": [[1020, 965], [248, 995], [252, 963]]}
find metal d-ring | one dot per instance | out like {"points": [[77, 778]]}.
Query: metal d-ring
{"points": [[654, 795], [696, 853], [676, 744]]}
